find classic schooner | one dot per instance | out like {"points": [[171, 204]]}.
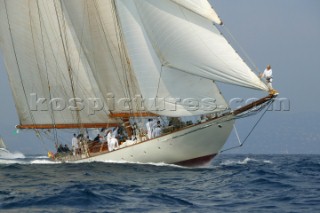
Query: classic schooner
{"points": [[88, 64]]}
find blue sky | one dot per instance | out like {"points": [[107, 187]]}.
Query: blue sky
{"points": [[283, 33]]}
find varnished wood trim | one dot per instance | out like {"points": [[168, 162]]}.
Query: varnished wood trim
{"points": [[66, 126]]}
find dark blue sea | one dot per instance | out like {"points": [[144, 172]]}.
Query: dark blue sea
{"points": [[231, 183]]}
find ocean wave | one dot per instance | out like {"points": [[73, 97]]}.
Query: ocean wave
{"points": [[128, 162], [44, 162], [26, 161], [140, 163], [12, 155], [8, 161], [40, 157], [243, 162], [253, 183]]}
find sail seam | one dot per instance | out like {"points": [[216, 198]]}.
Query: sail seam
{"points": [[16, 58], [46, 66], [62, 32]]}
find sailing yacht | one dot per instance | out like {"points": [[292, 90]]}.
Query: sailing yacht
{"points": [[3, 149], [108, 64]]}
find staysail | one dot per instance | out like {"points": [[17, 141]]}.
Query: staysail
{"points": [[79, 62]]}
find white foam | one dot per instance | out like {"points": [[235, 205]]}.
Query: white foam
{"points": [[44, 162], [128, 162], [268, 161], [243, 162], [238, 162], [8, 161], [19, 158], [14, 155], [41, 157]]}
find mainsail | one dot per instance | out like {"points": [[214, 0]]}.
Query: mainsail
{"points": [[79, 61], [48, 76]]}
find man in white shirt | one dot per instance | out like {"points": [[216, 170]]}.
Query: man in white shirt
{"points": [[114, 144], [75, 145], [157, 130], [149, 125], [109, 137], [267, 74]]}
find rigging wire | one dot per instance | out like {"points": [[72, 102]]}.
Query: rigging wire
{"points": [[46, 68], [246, 55], [19, 71], [266, 106], [64, 40]]}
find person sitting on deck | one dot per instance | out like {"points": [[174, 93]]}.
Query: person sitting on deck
{"points": [[97, 139], [66, 148], [60, 149]]}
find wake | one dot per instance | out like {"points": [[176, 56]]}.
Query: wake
{"points": [[14, 155]]}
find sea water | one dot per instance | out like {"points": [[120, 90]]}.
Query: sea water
{"points": [[231, 183]]}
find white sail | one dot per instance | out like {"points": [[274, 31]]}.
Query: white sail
{"points": [[186, 41], [2, 145], [97, 29], [47, 73], [77, 61], [163, 82], [201, 7]]}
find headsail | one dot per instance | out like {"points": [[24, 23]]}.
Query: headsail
{"points": [[158, 80], [201, 7], [186, 41]]}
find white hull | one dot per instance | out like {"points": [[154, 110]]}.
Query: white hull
{"points": [[194, 145]]}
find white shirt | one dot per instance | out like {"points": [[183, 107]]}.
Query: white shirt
{"points": [[148, 125], [109, 137], [114, 144], [75, 143], [267, 73], [157, 132]]}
